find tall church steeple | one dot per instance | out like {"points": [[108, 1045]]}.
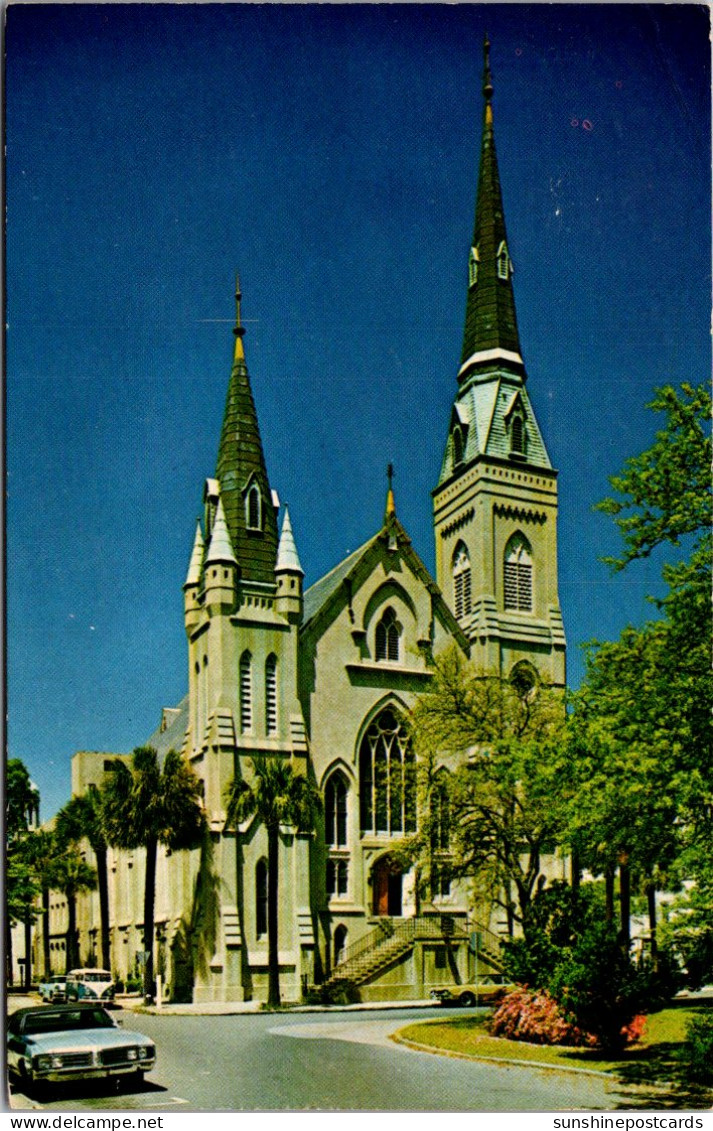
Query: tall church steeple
{"points": [[490, 319], [244, 486], [495, 506]]}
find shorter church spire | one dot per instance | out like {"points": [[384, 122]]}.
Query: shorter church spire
{"points": [[390, 511]]}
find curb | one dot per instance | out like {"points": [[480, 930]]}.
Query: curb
{"points": [[398, 1040]]}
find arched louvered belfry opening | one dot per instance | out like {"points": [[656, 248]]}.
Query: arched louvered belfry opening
{"points": [[517, 575], [462, 601]]}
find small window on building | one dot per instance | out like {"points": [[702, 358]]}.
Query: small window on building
{"points": [[462, 604], [473, 267], [246, 693], [335, 811], [457, 446], [503, 261], [517, 575], [517, 435], [261, 898], [253, 508], [337, 877], [271, 695], [440, 881], [387, 637]]}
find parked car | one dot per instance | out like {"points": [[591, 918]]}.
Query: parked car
{"points": [[54, 989], [74, 1042], [90, 984], [468, 995]]}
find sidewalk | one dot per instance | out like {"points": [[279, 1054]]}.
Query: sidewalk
{"points": [[226, 1008]]}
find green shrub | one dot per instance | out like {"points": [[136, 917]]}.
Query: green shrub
{"points": [[344, 992], [697, 1049]]}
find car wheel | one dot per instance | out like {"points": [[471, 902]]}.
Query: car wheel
{"points": [[467, 998]]}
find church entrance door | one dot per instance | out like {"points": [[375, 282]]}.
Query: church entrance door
{"points": [[387, 879]]}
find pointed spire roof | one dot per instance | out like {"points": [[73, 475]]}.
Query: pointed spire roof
{"points": [[287, 557], [196, 563], [490, 321], [219, 547], [241, 470]]}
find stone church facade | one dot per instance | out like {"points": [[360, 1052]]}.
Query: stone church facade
{"points": [[325, 676]]}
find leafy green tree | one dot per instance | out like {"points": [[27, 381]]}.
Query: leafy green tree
{"points": [[277, 796], [147, 804], [507, 800], [71, 875], [645, 713], [82, 818]]}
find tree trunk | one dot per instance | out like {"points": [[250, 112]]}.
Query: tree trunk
{"points": [[625, 902], [149, 901], [70, 948], [651, 900], [609, 893], [273, 960], [245, 974], [46, 955], [27, 977], [103, 886], [9, 971]]}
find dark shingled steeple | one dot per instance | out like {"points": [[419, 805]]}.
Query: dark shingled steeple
{"points": [[251, 522], [490, 320]]}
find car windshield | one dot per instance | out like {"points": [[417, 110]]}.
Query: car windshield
{"points": [[94, 976], [47, 1021]]}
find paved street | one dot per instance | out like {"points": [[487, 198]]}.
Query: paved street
{"points": [[340, 1060]]}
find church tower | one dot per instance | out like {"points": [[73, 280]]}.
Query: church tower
{"points": [[495, 506]]}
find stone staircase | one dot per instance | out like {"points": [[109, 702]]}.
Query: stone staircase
{"points": [[392, 940]]}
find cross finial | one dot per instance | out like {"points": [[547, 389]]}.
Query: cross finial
{"points": [[239, 328], [390, 502], [487, 76]]}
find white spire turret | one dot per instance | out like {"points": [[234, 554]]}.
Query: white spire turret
{"points": [[220, 548], [287, 557]]}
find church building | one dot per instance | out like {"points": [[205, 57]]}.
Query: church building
{"points": [[325, 676]]}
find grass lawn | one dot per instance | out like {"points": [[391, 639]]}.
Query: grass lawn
{"points": [[652, 1061]]}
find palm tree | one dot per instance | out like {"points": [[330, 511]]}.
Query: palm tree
{"points": [[41, 852], [71, 875], [277, 796], [144, 805], [82, 817]]}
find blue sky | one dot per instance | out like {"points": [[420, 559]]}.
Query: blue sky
{"points": [[328, 153]]}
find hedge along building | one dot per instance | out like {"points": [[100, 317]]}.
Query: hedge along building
{"points": [[325, 677]]}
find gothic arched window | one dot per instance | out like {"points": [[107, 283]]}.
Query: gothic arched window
{"points": [[271, 695], [253, 508], [387, 637], [473, 267], [335, 811], [461, 582], [457, 446], [517, 435], [261, 898], [387, 777], [517, 575], [503, 260], [246, 693]]}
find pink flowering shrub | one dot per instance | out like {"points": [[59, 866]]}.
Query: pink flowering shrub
{"points": [[528, 1015], [525, 1015]]}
